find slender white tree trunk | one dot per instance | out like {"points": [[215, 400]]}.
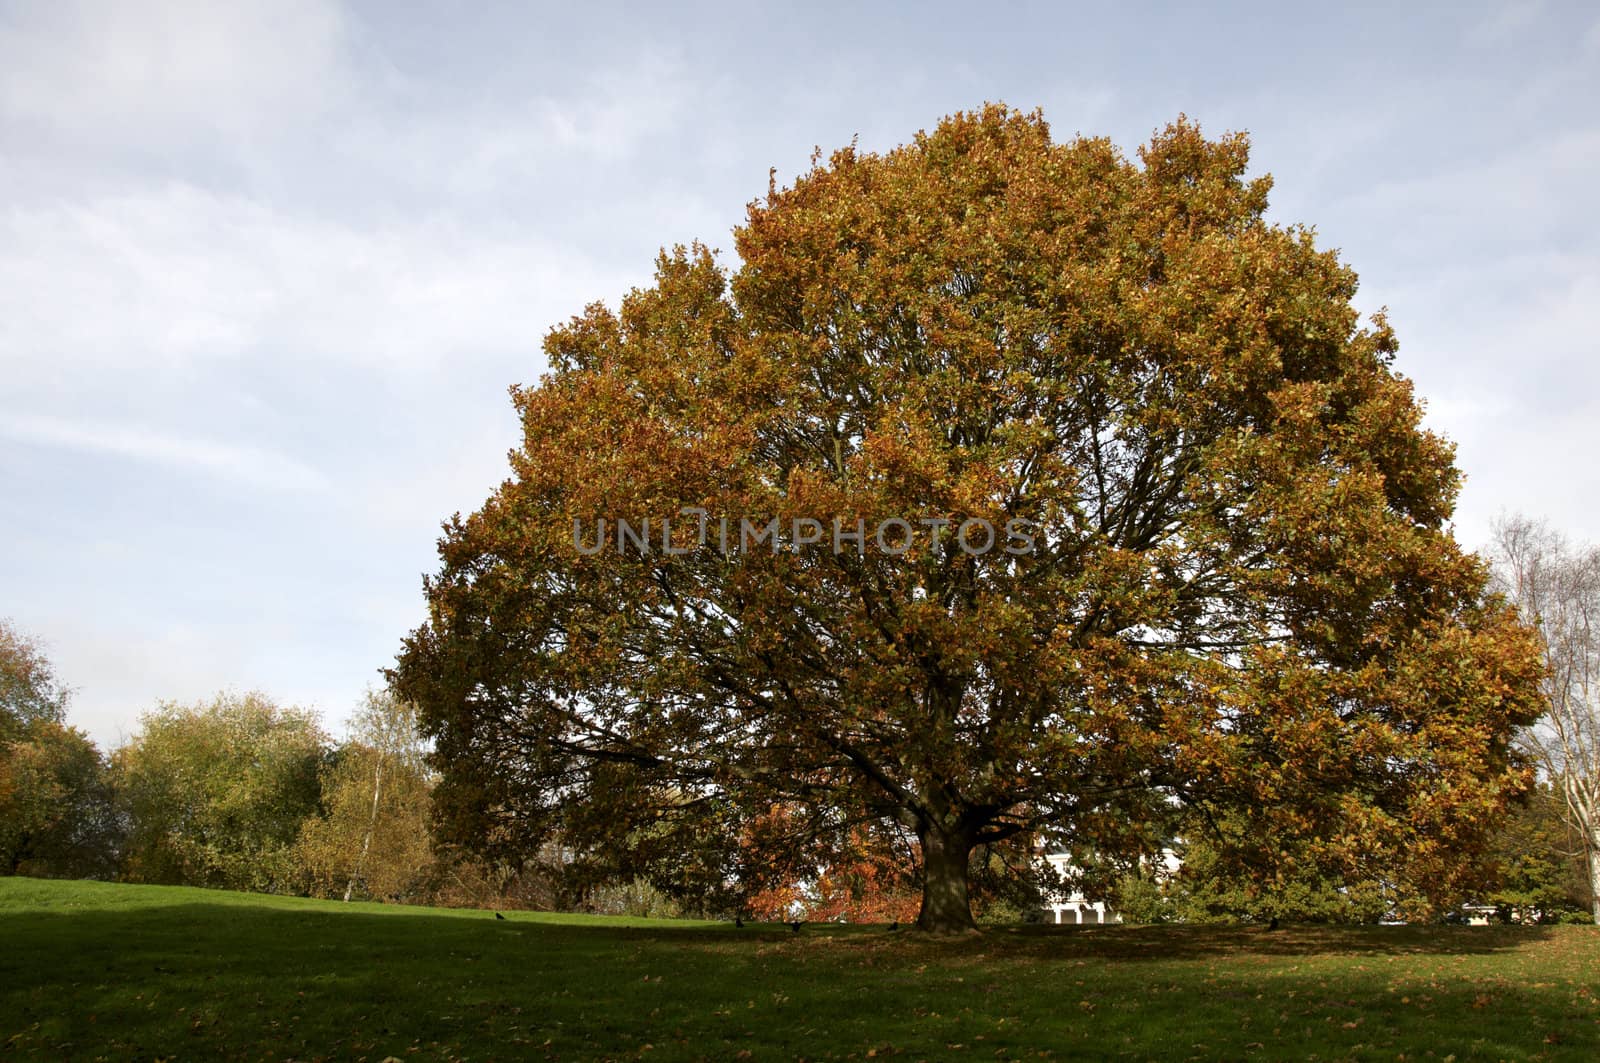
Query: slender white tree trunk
{"points": [[1594, 873], [372, 823]]}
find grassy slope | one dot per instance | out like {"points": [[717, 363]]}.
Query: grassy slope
{"points": [[90, 970]]}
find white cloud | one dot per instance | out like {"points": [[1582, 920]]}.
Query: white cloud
{"points": [[621, 106], [155, 280], [1524, 192], [1506, 359], [1505, 21], [119, 669], [240, 464], [166, 71], [398, 134]]}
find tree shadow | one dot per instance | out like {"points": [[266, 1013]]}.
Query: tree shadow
{"points": [[233, 978], [1185, 941]]}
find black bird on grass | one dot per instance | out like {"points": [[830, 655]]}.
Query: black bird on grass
{"points": [[738, 922], [1272, 924], [895, 925], [497, 915], [796, 925]]}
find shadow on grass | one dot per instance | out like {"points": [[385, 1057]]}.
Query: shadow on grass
{"points": [[279, 979], [1168, 942], [285, 928]]}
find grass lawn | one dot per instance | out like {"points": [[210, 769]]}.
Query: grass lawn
{"points": [[92, 970]]}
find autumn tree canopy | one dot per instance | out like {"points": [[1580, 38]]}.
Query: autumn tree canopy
{"points": [[1005, 488]]}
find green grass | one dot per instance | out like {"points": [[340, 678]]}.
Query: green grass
{"points": [[90, 970]]}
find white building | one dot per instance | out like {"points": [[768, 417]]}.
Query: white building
{"points": [[1076, 909]]}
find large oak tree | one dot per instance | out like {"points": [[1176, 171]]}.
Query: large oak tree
{"points": [[1242, 591]]}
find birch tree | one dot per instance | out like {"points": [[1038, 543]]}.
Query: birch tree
{"points": [[1556, 585], [372, 838]]}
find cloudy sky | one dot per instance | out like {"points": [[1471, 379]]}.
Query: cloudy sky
{"points": [[267, 269]]}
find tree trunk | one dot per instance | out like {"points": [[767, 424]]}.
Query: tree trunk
{"points": [[946, 907], [372, 824], [1594, 875]]}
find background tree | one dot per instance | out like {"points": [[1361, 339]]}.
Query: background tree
{"points": [[216, 792], [873, 880], [1542, 874], [1242, 592], [373, 836], [29, 690], [1556, 585], [870, 878], [57, 817], [1211, 886], [58, 813]]}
